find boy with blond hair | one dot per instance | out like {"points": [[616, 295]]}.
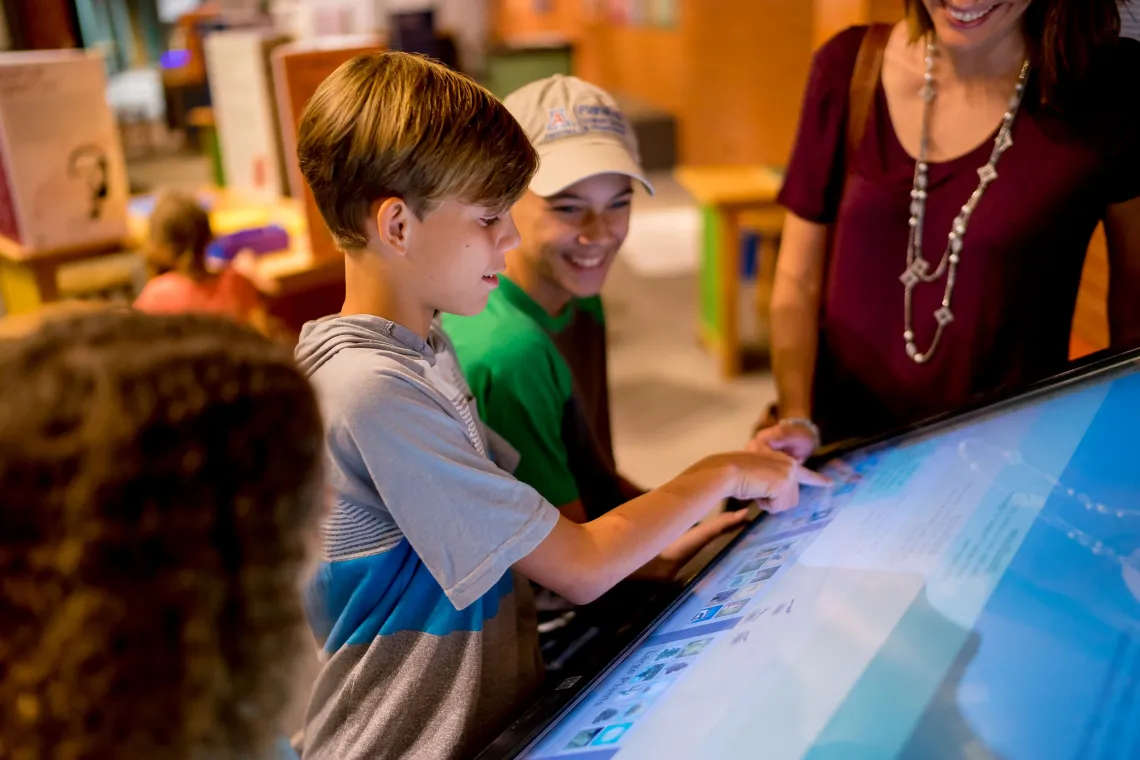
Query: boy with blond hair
{"points": [[426, 622]]}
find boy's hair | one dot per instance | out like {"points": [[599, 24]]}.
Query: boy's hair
{"points": [[160, 479], [179, 224], [389, 125]]}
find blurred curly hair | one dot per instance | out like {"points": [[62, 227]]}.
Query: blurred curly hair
{"points": [[160, 481]]}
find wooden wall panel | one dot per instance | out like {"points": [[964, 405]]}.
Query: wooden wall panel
{"points": [[40, 24], [645, 63], [1090, 320], [749, 62], [517, 18], [731, 71], [833, 16], [886, 11]]}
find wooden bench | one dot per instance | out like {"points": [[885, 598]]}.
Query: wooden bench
{"points": [[732, 199]]}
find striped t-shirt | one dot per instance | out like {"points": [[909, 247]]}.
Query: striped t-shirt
{"points": [[429, 639]]}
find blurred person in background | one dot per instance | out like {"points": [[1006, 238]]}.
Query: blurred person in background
{"points": [[180, 233], [939, 255], [162, 489]]}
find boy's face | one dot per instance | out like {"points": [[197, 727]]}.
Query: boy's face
{"points": [[570, 239], [458, 251]]}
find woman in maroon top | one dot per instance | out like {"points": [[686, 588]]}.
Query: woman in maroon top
{"points": [[1000, 133]]}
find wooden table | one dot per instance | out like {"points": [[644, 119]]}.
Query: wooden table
{"points": [[733, 198], [29, 279]]}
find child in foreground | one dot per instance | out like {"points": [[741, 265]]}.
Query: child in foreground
{"points": [[421, 605], [162, 482]]}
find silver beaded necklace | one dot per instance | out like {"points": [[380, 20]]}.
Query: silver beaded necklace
{"points": [[918, 268]]}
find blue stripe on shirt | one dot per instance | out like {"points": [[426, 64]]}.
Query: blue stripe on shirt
{"points": [[354, 601]]}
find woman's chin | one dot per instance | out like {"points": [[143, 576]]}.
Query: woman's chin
{"points": [[957, 36]]}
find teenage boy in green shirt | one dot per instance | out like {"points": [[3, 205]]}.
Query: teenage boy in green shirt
{"points": [[536, 356]]}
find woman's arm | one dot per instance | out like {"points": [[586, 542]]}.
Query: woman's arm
{"points": [[795, 333], [1122, 229], [795, 313]]}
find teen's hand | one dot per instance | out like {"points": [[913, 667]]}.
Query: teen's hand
{"points": [[797, 441], [666, 565]]}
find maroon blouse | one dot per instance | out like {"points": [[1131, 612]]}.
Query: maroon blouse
{"points": [[1021, 260]]}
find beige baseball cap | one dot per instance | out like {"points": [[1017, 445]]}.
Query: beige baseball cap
{"points": [[578, 131]]}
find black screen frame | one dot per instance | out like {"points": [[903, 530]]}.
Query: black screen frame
{"points": [[555, 704]]}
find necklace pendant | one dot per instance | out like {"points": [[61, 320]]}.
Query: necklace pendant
{"points": [[914, 273], [944, 316], [1004, 141], [987, 174]]}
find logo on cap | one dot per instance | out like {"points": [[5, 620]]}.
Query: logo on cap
{"points": [[558, 120], [584, 118]]}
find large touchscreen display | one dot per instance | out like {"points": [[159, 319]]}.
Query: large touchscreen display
{"points": [[972, 592]]}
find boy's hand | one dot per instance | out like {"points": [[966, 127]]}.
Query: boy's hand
{"points": [[767, 475], [582, 562]]}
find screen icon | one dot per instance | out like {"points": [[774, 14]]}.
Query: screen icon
{"points": [[723, 596], [706, 614], [612, 734], [732, 608], [583, 738]]}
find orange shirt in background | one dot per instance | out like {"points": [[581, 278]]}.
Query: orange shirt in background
{"points": [[229, 293]]}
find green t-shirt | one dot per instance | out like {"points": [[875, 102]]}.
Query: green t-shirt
{"points": [[540, 382]]}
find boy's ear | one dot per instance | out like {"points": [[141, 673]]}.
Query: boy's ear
{"points": [[392, 216]]}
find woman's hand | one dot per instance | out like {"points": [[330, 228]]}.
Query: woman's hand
{"points": [[796, 440]]}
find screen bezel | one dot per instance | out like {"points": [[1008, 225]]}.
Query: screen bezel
{"points": [[555, 704]]}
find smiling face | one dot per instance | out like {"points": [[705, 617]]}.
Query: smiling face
{"points": [[967, 24], [570, 240]]}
